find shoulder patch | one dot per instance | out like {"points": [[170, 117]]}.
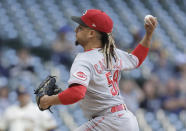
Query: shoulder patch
{"points": [[80, 75]]}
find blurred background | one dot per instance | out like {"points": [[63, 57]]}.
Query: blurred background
{"points": [[37, 39]]}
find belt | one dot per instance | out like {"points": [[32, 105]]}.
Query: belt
{"points": [[118, 108], [115, 109]]}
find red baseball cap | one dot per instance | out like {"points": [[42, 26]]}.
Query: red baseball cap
{"points": [[95, 19]]}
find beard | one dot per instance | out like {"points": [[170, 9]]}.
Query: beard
{"points": [[76, 43]]}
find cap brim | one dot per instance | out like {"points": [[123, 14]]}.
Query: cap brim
{"points": [[78, 20]]}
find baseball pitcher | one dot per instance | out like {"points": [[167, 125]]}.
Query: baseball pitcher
{"points": [[95, 74]]}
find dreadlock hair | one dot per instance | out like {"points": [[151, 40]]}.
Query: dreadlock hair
{"points": [[108, 46]]}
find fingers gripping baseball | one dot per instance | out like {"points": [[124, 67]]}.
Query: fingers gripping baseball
{"points": [[150, 23]]}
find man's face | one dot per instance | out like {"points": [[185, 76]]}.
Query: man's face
{"points": [[150, 89], [82, 35], [24, 99]]}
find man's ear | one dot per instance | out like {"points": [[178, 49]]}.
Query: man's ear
{"points": [[91, 34]]}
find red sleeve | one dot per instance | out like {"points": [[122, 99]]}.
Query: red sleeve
{"points": [[73, 94], [141, 53]]}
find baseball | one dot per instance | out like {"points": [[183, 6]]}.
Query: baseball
{"points": [[147, 17]]}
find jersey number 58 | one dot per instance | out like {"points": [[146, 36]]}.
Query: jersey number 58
{"points": [[113, 81]]}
